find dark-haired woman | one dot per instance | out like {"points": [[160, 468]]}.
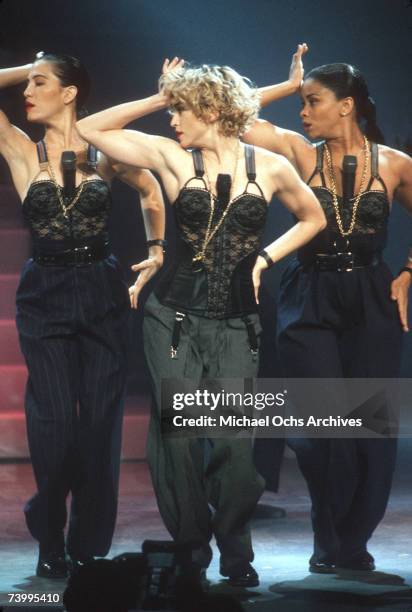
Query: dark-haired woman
{"points": [[341, 313], [72, 312]]}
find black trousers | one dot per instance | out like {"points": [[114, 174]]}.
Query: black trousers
{"points": [[72, 323], [191, 475], [332, 325]]}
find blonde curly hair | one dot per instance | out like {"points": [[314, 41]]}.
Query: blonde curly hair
{"points": [[213, 90]]}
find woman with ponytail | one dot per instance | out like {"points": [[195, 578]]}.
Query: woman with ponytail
{"points": [[341, 313], [72, 312]]}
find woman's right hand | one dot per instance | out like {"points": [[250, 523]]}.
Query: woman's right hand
{"points": [[169, 66], [146, 269], [296, 71], [259, 267], [174, 64]]}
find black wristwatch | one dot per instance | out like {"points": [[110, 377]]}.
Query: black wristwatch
{"points": [[267, 258]]}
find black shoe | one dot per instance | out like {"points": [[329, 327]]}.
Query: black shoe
{"points": [[321, 567], [364, 562], [244, 576], [76, 563], [52, 565]]}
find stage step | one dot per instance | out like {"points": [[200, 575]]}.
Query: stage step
{"points": [[12, 387], [13, 384], [11, 214], [15, 249], [13, 440], [10, 353], [8, 287]]}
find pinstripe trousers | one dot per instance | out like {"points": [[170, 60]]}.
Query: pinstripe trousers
{"points": [[336, 325], [72, 324]]}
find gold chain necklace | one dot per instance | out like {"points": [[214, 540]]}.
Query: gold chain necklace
{"points": [[65, 208], [199, 257], [366, 152]]}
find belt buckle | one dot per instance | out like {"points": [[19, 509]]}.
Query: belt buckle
{"points": [[322, 261], [326, 261], [81, 254], [345, 261]]}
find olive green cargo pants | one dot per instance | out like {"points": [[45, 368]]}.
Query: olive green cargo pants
{"points": [[186, 485]]}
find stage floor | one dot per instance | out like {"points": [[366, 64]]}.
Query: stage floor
{"points": [[282, 546]]}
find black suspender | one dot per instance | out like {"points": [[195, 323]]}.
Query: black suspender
{"points": [[249, 159], [374, 161], [198, 163], [92, 157], [320, 147], [251, 167], [42, 154], [250, 163], [319, 156], [375, 167]]}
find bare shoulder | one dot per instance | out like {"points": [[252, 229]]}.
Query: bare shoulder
{"points": [[172, 148], [393, 156], [394, 165], [21, 154], [274, 172], [19, 133], [278, 140], [178, 160], [270, 162], [17, 144]]}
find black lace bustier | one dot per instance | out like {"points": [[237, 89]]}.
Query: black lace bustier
{"points": [[370, 230], [86, 221], [223, 288]]}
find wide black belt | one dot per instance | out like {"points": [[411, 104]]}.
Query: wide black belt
{"points": [[78, 256], [345, 262]]}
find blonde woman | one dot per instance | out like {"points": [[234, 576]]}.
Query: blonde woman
{"points": [[201, 321]]}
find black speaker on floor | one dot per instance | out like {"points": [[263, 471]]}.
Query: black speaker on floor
{"points": [[165, 562]]}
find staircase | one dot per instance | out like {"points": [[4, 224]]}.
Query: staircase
{"points": [[14, 250]]}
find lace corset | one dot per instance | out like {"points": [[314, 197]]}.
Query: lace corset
{"points": [[223, 288], [370, 229], [88, 219]]}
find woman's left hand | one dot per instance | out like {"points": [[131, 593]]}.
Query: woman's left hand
{"points": [[399, 292], [147, 269], [258, 268], [296, 70]]}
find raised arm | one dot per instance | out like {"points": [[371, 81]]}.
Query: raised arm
{"points": [[104, 131], [403, 194], [271, 93], [14, 76], [277, 140], [273, 138], [300, 201], [13, 141]]}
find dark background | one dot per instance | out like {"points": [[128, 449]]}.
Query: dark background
{"points": [[123, 45]]}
